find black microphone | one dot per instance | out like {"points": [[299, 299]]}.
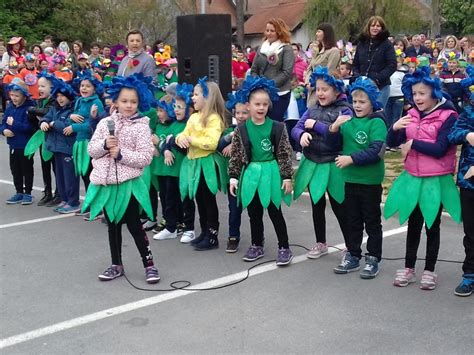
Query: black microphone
{"points": [[111, 127]]}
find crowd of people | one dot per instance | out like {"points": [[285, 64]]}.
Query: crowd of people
{"points": [[118, 120]]}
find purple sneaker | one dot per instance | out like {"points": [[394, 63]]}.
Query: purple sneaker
{"points": [[254, 253], [112, 272], [151, 275], [284, 257]]}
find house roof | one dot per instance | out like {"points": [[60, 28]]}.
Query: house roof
{"points": [[290, 12]]}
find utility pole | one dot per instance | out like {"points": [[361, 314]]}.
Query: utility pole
{"points": [[203, 6], [239, 4], [435, 19]]}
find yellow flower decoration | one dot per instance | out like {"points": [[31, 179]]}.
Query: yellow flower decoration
{"points": [[398, 52], [167, 48], [166, 56], [158, 58]]}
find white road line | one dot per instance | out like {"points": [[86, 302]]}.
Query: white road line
{"points": [[93, 317], [37, 220], [36, 188]]}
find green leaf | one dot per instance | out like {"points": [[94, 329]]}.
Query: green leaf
{"points": [[430, 199], [336, 183], [249, 183], [450, 197], [303, 176], [34, 143], [142, 195], [210, 173], [319, 182], [265, 183]]}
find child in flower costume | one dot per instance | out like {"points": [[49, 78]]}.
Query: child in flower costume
{"points": [[426, 186]]}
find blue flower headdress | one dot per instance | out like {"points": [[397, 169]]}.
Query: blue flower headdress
{"points": [[202, 82], [64, 88], [369, 87], [321, 73], [137, 82], [87, 75], [184, 92], [50, 77], [19, 85], [421, 75], [233, 99], [167, 107], [253, 83]]}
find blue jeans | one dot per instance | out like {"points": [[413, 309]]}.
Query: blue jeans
{"points": [[393, 109], [67, 181], [235, 214], [384, 93]]}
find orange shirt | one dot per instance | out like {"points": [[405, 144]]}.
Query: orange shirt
{"points": [[8, 77], [64, 74], [30, 77]]}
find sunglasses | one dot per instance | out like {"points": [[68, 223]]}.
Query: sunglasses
{"points": [[178, 107]]}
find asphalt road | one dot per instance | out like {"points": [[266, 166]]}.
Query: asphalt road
{"points": [[52, 303]]}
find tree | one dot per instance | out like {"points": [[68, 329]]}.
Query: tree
{"points": [[349, 16], [458, 15], [436, 19]]}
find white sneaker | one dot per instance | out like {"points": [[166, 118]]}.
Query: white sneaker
{"points": [[149, 225], [188, 237], [165, 234], [298, 156]]}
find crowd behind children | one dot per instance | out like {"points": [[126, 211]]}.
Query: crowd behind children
{"points": [[132, 137]]}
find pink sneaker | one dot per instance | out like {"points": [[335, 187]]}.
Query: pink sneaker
{"points": [[404, 277], [317, 251], [429, 280]]}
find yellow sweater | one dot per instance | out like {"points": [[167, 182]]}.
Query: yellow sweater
{"points": [[204, 140]]}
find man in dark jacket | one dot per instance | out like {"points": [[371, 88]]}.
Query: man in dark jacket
{"points": [[417, 48]]}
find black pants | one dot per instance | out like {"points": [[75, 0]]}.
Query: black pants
{"points": [[154, 203], [319, 217], [187, 212], [207, 206], [86, 178], [467, 205], [46, 167], [362, 208], [132, 219], [415, 224], [22, 171], [255, 211], [279, 107], [170, 200]]}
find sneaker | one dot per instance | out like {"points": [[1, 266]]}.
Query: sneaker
{"points": [[188, 237], [404, 277], [159, 227], [165, 234], [209, 242], [317, 251], [149, 225], [16, 198], [466, 287], [232, 245], [429, 280], [45, 199], [55, 201], [284, 257], [179, 229], [61, 205], [112, 272], [69, 209], [197, 240], [254, 253], [83, 214], [371, 269], [151, 275], [298, 156], [87, 217], [348, 264], [27, 199]]}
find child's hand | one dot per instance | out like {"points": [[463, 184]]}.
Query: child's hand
{"points": [[93, 112], [183, 143], [67, 131], [226, 151], [406, 147], [111, 142], [233, 185], [10, 120], [287, 186], [77, 118], [8, 133], [112, 109], [309, 123], [470, 138], [169, 157], [344, 160], [338, 123], [44, 126], [470, 173], [114, 152], [155, 139], [305, 139], [402, 123]]}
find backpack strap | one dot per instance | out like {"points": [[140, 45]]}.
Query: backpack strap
{"points": [[244, 134], [275, 135]]}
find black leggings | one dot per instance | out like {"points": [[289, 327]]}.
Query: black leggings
{"points": [[46, 167], [319, 217], [22, 171], [255, 211], [415, 224], [132, 219], [207, 206]]}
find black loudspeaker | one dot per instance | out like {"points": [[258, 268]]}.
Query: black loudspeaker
{"points": [[204, 49]]}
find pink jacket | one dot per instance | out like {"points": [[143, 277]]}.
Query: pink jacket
{"points": [[136, 150], [300, 68], [426, 129]]}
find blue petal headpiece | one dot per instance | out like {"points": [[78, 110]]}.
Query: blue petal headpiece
{"points": [[48, 76], [202, 82], [137, 82], [253, 83], [15, 85], [236, 98], [369, 87], [168, 108], [64, 88], [87, 75], [421, 75], [184, 92], [321, 73]]}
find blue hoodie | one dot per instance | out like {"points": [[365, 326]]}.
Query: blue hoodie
{"points": [[56, 141], [21, 127]]}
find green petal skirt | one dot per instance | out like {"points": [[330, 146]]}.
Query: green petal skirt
{"points": [[36, 141], [429, 193], [81, 157]]}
